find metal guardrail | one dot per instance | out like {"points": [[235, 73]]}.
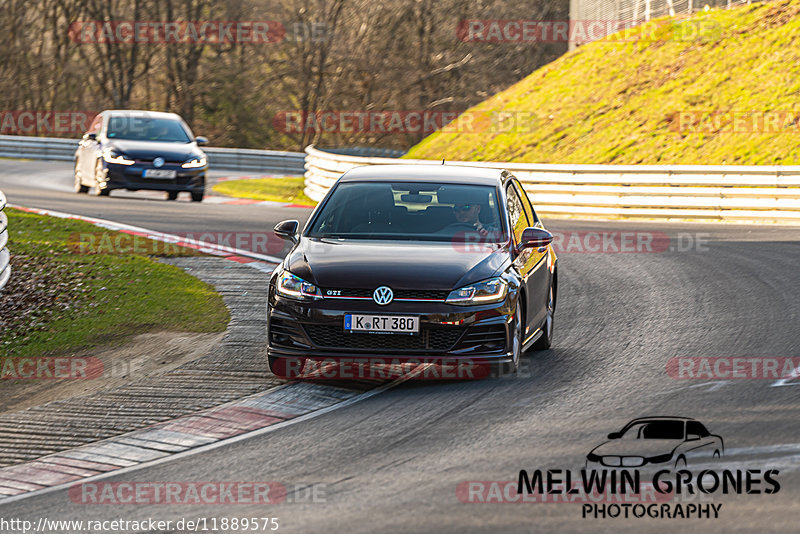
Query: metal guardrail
{"points": [[225, 159], [5, 255], [658, 191]]}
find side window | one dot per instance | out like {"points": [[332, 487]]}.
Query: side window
{"points": [[526, 203], [694, 427], [516, 213]]}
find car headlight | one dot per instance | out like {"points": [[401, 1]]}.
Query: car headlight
{"points": [[660, 459], [112, 156], [194, 163], [486, 292], [294, 287]]}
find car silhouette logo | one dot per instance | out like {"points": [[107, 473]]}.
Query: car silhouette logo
{"points": [[382, 295], [158, 162], [669, 442]]}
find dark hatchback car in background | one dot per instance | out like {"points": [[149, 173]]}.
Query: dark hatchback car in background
{"points": [[414, 262], [133, 150]]}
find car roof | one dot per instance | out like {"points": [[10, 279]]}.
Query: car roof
{"points": [[666, 417], [423, 173], [139, 112]]}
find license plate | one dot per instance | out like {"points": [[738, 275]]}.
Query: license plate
{"points": [[389, 324], [159, 173]]}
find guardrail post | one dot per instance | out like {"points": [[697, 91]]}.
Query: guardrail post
{"points": [[5, 255]]}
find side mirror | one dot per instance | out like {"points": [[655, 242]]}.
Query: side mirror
{"points": [[91, 136], [287, 230], [200, 140], [614, 435], [537, 238]]}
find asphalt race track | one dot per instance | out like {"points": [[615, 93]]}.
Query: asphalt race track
{"points": [[395, 462]]}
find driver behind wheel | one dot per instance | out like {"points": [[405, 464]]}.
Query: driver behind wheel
{"points": [[470, 214]]}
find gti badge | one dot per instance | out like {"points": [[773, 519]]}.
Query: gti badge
{"points": [[382, 295], [158, 162]]}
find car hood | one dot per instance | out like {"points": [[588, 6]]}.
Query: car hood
{"points": [[637, 447], [399, 265], [151, 149]]}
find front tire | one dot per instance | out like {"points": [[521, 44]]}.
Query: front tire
{"points": [[510, 368], [78, 183], [99, 178], [546, 339], [172, 195], [197, 196]]}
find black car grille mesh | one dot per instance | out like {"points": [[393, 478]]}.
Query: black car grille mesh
{"points": [[433, 339], [398, 293], [491, 337], [286, 333]]}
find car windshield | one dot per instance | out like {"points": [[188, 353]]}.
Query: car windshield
{"points": [[655, 430], [419, 211], [147, 129]]}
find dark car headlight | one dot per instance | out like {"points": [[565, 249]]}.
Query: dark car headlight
{"points": [[660, 459], [113, 156], [194, 163], [592, 457], [294, 287], [485, 292]]}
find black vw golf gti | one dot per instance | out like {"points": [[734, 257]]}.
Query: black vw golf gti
{"points": [[416, 263]]}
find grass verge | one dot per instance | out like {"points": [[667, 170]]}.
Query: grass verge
{"points": [[718, 88], [289, 189], [61, 301]]}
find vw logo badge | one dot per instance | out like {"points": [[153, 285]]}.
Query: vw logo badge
{"points": [[383, 295], [158, 162]]}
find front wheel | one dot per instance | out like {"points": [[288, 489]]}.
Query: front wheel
{"points": [[197, 196], [510, 368], [546, 339], [172, 195], [78, 184], [99, 188]]}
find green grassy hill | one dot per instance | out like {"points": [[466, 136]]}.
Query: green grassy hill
{"points": [[660, 99]]}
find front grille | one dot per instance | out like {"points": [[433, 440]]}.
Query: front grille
{"points": [[491, 337], [429, 339], [286, 333], [150, 160], [398, 293]]}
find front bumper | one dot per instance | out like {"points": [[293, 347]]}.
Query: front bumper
{"points": [[131, 177], [448, 333]]}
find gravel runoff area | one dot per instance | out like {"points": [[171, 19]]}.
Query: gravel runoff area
{"points": [[234, 367]]}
